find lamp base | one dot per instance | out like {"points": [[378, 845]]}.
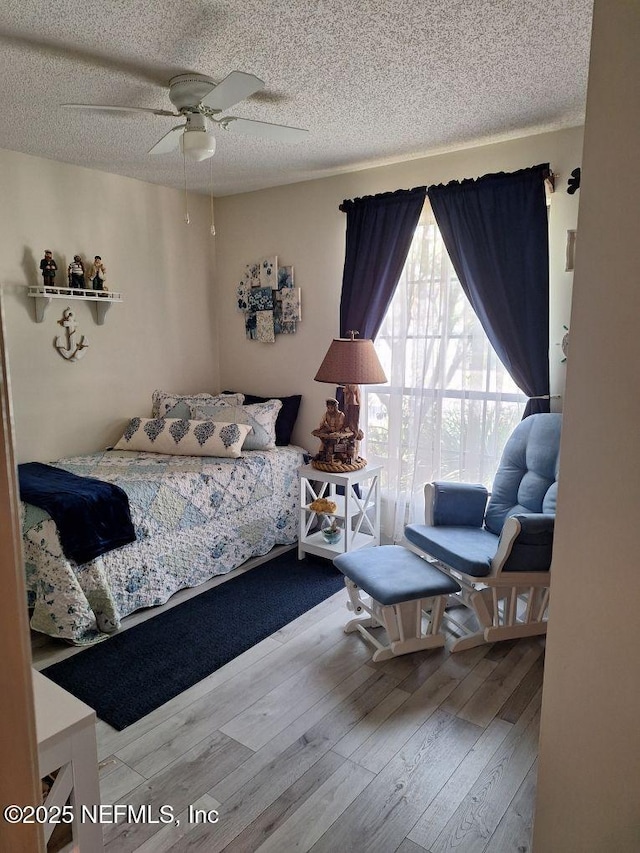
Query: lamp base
{"points": [[339, 467]]}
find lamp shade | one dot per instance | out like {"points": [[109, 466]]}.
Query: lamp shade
{"points": [[351, 362]]}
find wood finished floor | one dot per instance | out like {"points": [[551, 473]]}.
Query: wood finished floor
{"points": [[303, 744]]}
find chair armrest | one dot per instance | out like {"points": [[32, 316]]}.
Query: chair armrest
{"points": [[526, 543], [455, 504]]}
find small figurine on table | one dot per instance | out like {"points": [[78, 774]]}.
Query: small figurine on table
{"points": [[48, 268], [76, 273], [98, 273], [333, 420], [336, 440]]}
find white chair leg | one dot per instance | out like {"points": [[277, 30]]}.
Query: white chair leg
{"points": [[482, 608], [468, 641], [505, 613]]}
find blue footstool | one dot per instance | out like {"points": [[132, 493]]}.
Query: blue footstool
{"points": [[408, 597]]}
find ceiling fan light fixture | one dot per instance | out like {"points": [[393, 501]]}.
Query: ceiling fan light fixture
{"points": [[198, 145]]}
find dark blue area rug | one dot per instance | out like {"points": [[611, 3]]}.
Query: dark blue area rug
{"points": [[133, 673]]}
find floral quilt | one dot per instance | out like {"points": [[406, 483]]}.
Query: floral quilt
{"points": [[195, 517]]}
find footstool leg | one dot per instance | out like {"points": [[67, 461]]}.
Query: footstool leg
{"points": [[438, 606], [355, 603], [403, 625], [382, 652], [368, 622], [358, 605], [409, 635]]}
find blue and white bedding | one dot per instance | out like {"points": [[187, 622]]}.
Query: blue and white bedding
{"points": [[194, 517]]}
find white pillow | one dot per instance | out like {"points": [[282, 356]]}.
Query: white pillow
{"points": [[165, 404], [260, 416], [181, 437]]}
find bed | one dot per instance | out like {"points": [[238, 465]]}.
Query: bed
{"points": [[194, 517]]}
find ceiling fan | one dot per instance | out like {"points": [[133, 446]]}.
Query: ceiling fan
{"points": [[201, 102]]}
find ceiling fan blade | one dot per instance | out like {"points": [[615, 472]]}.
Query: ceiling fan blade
{"points": [[235, 87], [120, 109], [168, 142], [264, 129], [92, 58]]}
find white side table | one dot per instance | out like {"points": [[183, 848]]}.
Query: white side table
{"points": [[357, 514], [66, 731]]}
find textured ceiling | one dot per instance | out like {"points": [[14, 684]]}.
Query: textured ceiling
{"points": [[373, 81]]}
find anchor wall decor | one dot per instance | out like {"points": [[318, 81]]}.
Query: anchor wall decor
{"points": [[70, 349]]}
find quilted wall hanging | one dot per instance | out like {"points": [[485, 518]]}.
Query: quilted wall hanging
{"points": [[269, 301]]}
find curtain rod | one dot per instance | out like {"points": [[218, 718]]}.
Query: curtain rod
{"points": [[348, 203], [549, 177]]}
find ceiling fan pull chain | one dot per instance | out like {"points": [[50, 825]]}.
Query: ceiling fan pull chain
{"points": [[186, 196]]}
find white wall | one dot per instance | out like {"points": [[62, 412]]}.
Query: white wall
{"points": [[162, 336], [301, 223], [589, 770]]}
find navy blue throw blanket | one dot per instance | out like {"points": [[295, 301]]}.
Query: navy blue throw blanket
{"points": [[92, 516]]}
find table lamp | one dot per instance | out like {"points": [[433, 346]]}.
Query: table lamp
{"points": [[348, 363]]}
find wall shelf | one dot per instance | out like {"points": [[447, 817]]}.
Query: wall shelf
{"points": [[103, 299]]}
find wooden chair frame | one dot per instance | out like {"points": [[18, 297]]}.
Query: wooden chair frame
{"points": [[507, 605]]}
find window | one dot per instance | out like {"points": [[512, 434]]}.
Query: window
{"points": [[449, 405]]}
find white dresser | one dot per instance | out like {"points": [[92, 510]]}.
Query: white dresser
{"points": [[66, 731]]}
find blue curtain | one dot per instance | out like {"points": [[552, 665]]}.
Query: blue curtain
{"points": [[495, 231], [379, 233]]}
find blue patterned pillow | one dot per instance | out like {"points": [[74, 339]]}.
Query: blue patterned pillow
{"points": [[183, 437], [261, 417], [166, 405]]}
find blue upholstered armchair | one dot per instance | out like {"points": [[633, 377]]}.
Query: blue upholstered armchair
{"points": [[499, 551]]}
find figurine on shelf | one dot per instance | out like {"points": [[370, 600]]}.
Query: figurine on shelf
{"points": [[76, 273], [333, 419], [48, 268], [336, 440], [98, 273]]}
